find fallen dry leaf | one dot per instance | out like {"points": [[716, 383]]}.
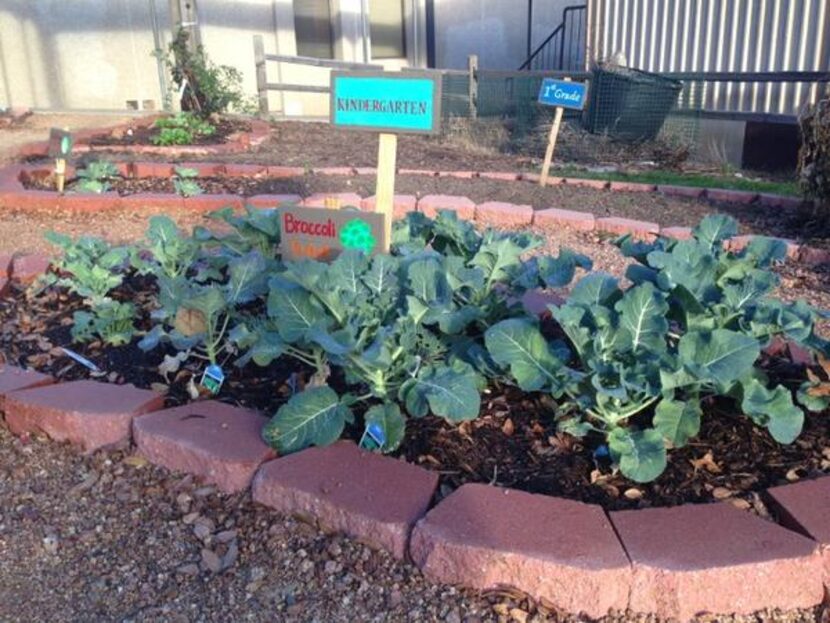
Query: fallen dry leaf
{"points": [[135, 460], [722, 493], [707, 462]]}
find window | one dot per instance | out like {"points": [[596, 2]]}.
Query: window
{"points": [[312, 28], [387, 28]]}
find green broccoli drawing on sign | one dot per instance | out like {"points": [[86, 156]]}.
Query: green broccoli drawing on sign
{"points": [[357, 234]]}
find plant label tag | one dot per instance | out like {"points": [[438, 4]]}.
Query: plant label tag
{"points": [[212, 379], [373, 438], [60, 143]]}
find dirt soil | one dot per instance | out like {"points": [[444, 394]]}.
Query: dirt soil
{"points": [[800, 225], [142, 134]]}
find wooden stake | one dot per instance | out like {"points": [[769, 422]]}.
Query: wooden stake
{"points": [[554, 133], [60, 173], [385, 188]]}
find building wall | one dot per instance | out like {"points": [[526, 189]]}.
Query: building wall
{"points": [[60, 54], [495, 30]]}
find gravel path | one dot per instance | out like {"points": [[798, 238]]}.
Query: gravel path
{"points": [[111, 538]]}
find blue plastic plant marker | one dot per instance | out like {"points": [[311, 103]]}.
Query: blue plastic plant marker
{"points": [[601, 452], [213, 378], [373, 437]]}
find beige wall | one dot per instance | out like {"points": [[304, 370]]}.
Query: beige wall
{"points": [[81, 54]]}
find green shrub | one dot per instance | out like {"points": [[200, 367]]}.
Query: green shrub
{"points": [[208, 88]]}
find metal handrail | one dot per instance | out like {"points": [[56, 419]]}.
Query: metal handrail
{"points": [[550, 37]]}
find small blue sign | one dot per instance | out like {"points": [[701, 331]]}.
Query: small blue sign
{"points": [[562, 93]]}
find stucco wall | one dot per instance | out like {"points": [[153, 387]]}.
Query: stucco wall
{"points": [[78, 54]]}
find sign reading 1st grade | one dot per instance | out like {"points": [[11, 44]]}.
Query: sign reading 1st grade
{"points": [[562, 94]]}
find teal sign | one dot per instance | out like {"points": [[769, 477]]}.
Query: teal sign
{"points": [[562, 93], [393, 102]]}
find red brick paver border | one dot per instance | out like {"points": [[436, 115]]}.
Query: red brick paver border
{"points": [[347, 200], [462, 206], [374, 498], [401, 205], [556, 217], [219, 442], [13, 378], [91, 414], [714, 558], [503, 214], [561, 550], [805, 507], [622, 226]]}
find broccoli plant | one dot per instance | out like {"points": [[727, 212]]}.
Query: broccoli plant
{"points": [[168, 253], [691, 325], [185, 182], [196, 316], [96, 177], [90, 267], [111, 322], [404, 330], [256, 230]]}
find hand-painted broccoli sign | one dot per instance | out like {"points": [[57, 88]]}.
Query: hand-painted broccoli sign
{"points": [[386, 101], [321, 234]]}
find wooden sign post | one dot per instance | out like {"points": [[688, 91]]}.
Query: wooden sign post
{"points": [[393, 103], [60, 146], [562, 94]]}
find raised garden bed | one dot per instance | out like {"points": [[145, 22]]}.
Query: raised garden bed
{"points": [[151, 182], [231, 136], [513, 439]]}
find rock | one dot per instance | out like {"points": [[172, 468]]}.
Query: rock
{"points": [[190, 518], [211, 561], [518, 615], [50, 543], [188, 569], [230, 557], [226, 536], [201, 531]]}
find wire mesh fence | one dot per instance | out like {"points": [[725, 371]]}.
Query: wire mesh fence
{"points": [[624, 105]]}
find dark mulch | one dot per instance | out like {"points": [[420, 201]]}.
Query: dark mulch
{"points": [[802, 225], [139, 134], [513, 443]]}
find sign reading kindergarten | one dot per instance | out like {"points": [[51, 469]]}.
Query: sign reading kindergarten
{"points": [[386, 101], [321, 234]]}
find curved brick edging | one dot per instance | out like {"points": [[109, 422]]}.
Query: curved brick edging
{"points": [[235, 143], [487, 213], [672, 562]]}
